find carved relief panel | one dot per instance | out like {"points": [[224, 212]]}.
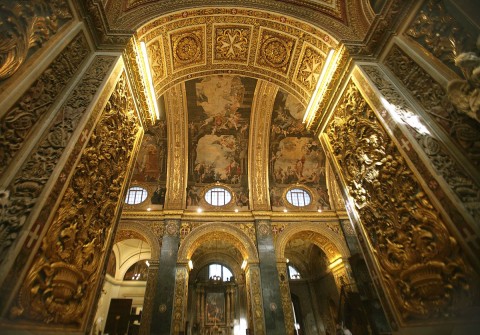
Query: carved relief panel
{"points": [[64, 276], [421, 267]]}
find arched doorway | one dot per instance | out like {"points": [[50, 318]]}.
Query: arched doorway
{"points": [[221, 292]]}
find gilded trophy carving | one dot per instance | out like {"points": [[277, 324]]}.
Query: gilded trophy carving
{"points": [[64, 274], [24, 27], [423, 270]]}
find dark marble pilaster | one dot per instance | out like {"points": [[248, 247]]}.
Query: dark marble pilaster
{"points": [[272, 302], [161, 322]]}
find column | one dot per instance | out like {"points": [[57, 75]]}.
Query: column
{"points": [[272, 302], [149, 297], [163, 302]]}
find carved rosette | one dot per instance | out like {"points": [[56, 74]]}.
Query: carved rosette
{"points": [[420, 263], [309, 68], [63, 276], [232, 43], [275, 50], [24, 27], [16, 125], [187, 47]]}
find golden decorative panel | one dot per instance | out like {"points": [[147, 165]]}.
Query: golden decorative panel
{"points": [[188, 47], [180, 299], [231, 43], [309, 67], [26, 26], [61, 284], [275, 50], [155, 53], [286, 298], [421, 267]]}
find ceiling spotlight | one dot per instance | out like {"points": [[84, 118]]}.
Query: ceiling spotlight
{"points": [[236, 210], [285, 210], [149, 209], [199, 210], [319, 210]]}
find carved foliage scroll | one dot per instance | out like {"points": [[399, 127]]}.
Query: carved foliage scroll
{"points": [[419, 261], [60, 284], [286, 297], [18, 122], [24, 27], [180, 298], [255, 300], [440, 33], [28, 184], [433, 97]]}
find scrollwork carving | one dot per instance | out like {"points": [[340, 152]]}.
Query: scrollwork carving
{"points": [[34, 174], [18, 122], [433, 97], [24, 27], [63, 276], [419, 260], [444, 164]]}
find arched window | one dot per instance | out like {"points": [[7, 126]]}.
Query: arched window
{"points": [[293, 273], [218, 271], [218, 196], [136, 195], [298, 197]]}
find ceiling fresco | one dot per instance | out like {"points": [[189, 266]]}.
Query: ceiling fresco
{"points": [[295, 155], [219, 110]]}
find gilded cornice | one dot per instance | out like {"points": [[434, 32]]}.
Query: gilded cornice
{"points": [[176, 111], [134, 68], [262, 108]]}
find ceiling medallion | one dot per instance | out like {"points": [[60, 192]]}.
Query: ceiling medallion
{"points": [[187, 48], [276, 51]]}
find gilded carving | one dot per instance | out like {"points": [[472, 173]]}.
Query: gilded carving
{"points": [[420, 263], [256, 301], [171, 228], [35, 172], [17, 124], [232, 43], [286, 298], [24, 27], [177, 158], [262, 108], [157, 63], [62, 279], [440, 33], [309, 69], [188, 47], [180, 299], [445, 165], [275, 50], [263, 228]]}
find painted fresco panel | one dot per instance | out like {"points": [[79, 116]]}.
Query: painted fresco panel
{"points": [[219, 109], [295, 155]]}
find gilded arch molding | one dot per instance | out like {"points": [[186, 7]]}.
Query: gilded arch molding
{"points": [[217, 231], [328, 241], [144, 232]]}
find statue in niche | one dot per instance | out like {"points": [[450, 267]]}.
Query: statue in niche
{"points": [[465, 93]]}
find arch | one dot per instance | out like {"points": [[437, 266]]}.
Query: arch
{"points": [[328, 241], [141, 231], [217, 231], [226, 260]]}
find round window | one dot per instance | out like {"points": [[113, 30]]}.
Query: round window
{"points": [[136, 195], [218, 196], [298, 197]]}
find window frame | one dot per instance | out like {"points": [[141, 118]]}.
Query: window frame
{"points": [[136, 189]]}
